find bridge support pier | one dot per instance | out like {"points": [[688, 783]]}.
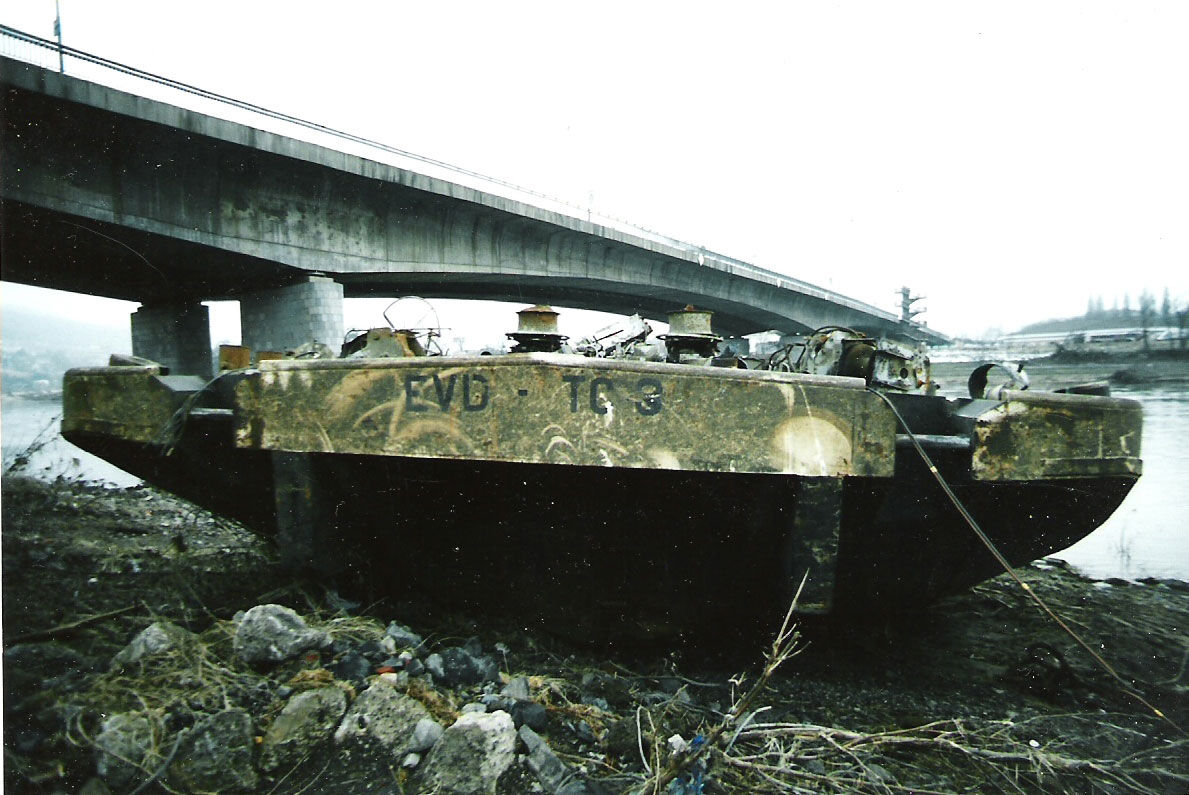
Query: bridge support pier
{"points": [[177, 335], [283, 318]]}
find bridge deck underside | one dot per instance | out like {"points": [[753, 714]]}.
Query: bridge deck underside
{"points": [[115, 195], [59, 251]]}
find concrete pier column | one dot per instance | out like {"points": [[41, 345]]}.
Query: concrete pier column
{"points": [[177, 335], [285, 317]]}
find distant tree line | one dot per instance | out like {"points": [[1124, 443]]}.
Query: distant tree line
{"points": [[1167, 313]]}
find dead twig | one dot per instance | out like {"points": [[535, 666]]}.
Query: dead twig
{"points": [[851, 741], [68, 628], [161, 768], [784, 646], [779, 751]]}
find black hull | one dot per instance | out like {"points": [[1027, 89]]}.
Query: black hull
{"points": [[647, 550], [919, 547]]}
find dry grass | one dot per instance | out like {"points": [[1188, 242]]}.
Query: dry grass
{"points": [[440, 705], [1100, 742], [687, 761], [791, 757]]}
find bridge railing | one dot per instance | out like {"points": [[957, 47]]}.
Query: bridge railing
{"points": [[50, 55]]}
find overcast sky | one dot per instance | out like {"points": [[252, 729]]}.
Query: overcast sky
{"points": [[1007, 160]]}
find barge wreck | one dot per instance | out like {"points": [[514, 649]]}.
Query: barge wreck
{"points": [[623, 479]]}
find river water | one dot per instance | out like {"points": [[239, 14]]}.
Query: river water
{"points": [[1146, 537]]}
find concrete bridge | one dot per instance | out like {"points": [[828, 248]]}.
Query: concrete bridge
{"points": [[114, 194]]}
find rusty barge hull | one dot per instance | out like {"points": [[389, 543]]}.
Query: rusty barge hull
{"points": [[617, 490]]}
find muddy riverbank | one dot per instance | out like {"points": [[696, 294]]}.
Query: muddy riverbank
{"points": [[982, 692], [1064, 370]]}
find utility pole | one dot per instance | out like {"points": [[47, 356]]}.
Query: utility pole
{"points": [[58, 33], [907, 313]]}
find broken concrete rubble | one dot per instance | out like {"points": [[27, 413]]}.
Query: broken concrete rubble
{"points": [[471, 755], [941, 665], [382, 722], [125, 743], [307, 719], [156, 638], [216, 755], [273, 633]]}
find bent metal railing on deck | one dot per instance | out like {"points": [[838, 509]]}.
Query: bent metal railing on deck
{"points": [[49, 54]]}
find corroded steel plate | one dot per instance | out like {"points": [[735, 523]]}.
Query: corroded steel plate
{"points": [[544, 408], [130, 403], [1039, 436]]}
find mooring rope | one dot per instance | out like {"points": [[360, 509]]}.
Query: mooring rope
{"points": [[1032, 594]]}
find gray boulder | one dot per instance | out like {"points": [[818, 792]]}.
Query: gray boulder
{"points": [[518, 689], [156, 638], [548, 768], [472, 755], [272, 633], [404, 637], [382, 722], [426, 734], [529, 713], [307, 719], [413, 666], [433, 664], [216, 755], [554, 775], [457, 666], [126, 743], [353, 667]]}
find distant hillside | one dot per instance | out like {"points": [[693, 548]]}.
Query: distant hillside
{"points": [[36, 331], [37, 348], [1111, 318]]}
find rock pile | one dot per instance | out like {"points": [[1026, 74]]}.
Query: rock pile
{"points": [[368, 710], [117, 679]]}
